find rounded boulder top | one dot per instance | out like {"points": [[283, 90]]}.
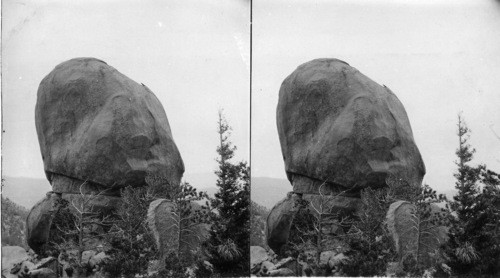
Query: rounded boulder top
{"points": [[98, 125], [337, 126]]}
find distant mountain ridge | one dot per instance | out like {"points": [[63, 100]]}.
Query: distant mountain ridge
{"points": [[25, 191], [13, 223], [269, 191], [201, 181]]}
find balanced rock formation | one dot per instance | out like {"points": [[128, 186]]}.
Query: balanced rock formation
{"points": [[99, 131], [341, 132]]}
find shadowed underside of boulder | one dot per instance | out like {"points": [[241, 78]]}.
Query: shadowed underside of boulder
{"points": [[64, 184], [338, 126]]}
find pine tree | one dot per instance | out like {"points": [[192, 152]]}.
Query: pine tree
{"points": [[467, 176], [488, 240], [473, 247], [228, 245], [134, 246], [460, 248]]}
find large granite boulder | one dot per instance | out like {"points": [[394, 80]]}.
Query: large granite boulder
{"points": [[339, 127], [95, 124]]}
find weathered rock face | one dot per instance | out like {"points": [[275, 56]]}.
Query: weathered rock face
{"points": [[257, 256], [412, 236], [40, 219], [163, 220], [338, 126], [399, 222], [96, 124], [279, 221]]}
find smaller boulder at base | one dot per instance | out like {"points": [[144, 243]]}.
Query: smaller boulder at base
{"points": [[11, 256], [279, 221], [257, 256], [40, 219]]}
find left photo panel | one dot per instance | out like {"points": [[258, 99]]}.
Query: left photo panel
{"points": [[125, 138]]}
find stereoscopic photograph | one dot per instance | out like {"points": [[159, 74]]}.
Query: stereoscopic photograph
{"points": [[241, 138], [375, 138], [125, 145]]}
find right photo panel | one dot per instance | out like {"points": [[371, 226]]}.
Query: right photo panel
{"points": [[375, 138]]}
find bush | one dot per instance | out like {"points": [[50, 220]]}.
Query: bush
{"points": [[368, 238], [132, 245]]}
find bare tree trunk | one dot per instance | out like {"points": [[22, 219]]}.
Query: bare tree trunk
{"points": [[318, 244], [418, 241], [179, 232], [80, 240]]}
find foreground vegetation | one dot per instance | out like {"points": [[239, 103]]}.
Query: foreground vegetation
{"points": [[471, 221]]}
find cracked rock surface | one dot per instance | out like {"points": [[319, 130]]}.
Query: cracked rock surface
{"points": [[338, 126], [339, 132]]}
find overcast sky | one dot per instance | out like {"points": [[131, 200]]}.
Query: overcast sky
{"points": [[438, 57], [194, 55]]}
